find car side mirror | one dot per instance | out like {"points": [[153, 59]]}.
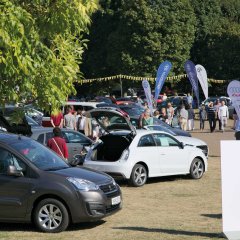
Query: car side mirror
{"points": [[78, 159], [13, 171], [181, 145]]}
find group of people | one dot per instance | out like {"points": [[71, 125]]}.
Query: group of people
{"points": [[185, 115], [74, 120], [215, 113]]}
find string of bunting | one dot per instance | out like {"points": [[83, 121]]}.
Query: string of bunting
{"points": [[151, 79]]}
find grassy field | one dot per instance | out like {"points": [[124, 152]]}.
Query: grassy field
{"points": [[165, 208]]}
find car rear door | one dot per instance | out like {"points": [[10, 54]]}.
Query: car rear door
{"points": [[147, 152], [75, 142]]}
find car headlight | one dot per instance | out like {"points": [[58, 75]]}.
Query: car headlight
{"points": [[82, 184]]}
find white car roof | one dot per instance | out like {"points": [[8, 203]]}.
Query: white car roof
{"points": [[141, 132]]}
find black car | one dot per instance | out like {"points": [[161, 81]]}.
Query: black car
{"points": [[37, 185], [18, 120], [132, 109]]}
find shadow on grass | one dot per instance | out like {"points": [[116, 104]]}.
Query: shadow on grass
{"points": [[216, 216], [173, 232], [28, 227]]}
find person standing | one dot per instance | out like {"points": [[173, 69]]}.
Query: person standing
{"points": [[81, 121], [156, 114], [211, 116], [56, 118], [216, 107], [147, 119], [163, 116], [58, 144], [164, 97], [70, 120], [139, 101], [191, 116], [235, 118], [202, 116], [183, 118], [189, 98], [170, 113], [223, 115]]}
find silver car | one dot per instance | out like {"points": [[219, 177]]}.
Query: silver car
{"points": [[76, 141]]}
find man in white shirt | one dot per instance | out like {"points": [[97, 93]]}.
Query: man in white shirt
{"points": [[81, 121], [183, 118], [223, 114]]}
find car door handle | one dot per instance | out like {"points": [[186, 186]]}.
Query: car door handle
{"points": [[162, 154]]}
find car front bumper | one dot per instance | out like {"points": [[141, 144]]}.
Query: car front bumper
{"points": [[95, 205]]}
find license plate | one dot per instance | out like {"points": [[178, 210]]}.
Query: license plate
{"points": [[116, 200]]}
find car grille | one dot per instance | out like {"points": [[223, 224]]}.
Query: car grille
{"points": [[108, 188], [112, 208], [204, 148]]}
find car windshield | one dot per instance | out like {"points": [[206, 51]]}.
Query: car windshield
{"points": [[31, 122], [157, 121], [39, 155], [161, 128]]}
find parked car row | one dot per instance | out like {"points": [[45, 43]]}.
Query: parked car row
{"points": [[40, 186]]}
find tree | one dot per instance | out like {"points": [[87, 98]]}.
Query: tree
{"points": [[217, 44], [139, 35], [41, 47]]}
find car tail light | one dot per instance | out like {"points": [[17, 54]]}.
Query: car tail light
{"points": [[125, 155]]}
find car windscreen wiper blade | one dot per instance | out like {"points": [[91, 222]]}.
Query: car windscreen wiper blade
{"points": [[56, 168]]}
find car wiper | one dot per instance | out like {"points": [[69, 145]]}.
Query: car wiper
{"points": [[55, 168]]}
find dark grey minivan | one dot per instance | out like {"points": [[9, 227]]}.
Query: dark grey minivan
{"points": [[37, 185]]}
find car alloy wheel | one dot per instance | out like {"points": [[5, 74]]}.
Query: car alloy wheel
{"points": [[197, 168], [138, 176], [51, 216]]}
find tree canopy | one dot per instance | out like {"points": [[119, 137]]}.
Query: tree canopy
{"points": [[134, 37], [41, 47]]}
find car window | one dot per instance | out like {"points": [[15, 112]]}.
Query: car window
{"points": [[134, 122], [41, 138], [41, 156], [165, 140], [146, 141], [8, 159], [74, 137]]}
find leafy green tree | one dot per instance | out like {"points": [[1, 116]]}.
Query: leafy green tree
{"points": [[217, 45], [138, 35], [41, 47]]}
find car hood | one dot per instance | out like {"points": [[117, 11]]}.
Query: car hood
{"points": [[110, 120], [190, 141], [85, 173]]}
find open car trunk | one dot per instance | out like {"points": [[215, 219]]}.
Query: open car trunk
{"points": [[111, 148]]}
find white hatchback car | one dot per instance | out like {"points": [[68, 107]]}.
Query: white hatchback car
{"points": [[138, 155]]}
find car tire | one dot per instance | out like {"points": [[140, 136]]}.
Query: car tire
{"points": [[138, 176], [51, 216], [197, 168]]}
